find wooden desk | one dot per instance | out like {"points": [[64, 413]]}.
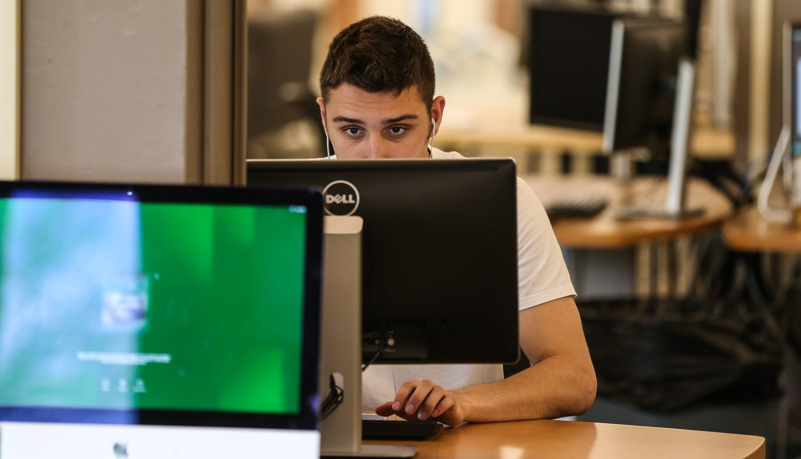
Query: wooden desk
{"points": [[748, 231], [573, 439], [706, 142], [605, 231], [529, 137]]}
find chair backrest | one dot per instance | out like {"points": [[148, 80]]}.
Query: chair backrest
{"points": [[279, 62]]}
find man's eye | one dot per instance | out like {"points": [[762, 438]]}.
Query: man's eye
{"points": [[352, 131], [397, 130]]}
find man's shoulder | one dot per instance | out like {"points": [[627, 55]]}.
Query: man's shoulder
{"points": [[436, 153]]}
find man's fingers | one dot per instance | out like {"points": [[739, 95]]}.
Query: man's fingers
{"points": [[411, 395], [438, 404], [431, 402]]}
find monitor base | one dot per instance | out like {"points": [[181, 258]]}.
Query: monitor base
{"points": [[635, 213], [375, 452]]}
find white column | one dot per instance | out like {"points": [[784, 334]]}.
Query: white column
{"points": [[759, 111], [9, 89]]}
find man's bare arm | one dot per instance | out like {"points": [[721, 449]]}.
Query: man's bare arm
{"points": [[560, 382]]}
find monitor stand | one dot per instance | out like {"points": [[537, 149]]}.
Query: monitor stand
{"points": [[341, 345], [675, 202], [780, 155]]}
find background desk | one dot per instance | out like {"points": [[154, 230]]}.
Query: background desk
{"points": [[608, 257], [748, 231], [573, 439], [604, 231]]}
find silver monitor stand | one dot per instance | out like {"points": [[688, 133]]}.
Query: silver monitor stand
{"points": [[340, 342]]}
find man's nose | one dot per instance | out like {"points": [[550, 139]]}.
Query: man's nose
{"points": [[378, 148]]}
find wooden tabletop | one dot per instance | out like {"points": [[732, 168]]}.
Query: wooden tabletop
{"points": [[573, 439], [533, 137], [706, 142], [606, 231], [749, 231]]}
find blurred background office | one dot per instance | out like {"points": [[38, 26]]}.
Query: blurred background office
{"points": [[490, 62], [480, 53], [138, 90]]}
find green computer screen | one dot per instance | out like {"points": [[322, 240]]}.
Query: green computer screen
{"points": [[119, 304]]}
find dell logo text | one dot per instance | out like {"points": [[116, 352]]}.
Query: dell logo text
{"points": [[341, 198]]}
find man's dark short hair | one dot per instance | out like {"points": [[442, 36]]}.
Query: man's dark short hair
{"points": [[379, 55]]}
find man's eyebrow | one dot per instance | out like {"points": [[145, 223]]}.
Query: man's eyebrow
{"points": [[408, 116], [398, 119], [344, 119]]}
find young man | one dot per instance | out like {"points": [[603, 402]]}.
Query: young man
{"points": [[377, 86]]}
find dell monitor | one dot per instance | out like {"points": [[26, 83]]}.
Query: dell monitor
{"points": [[439, 265], [421, 258], [158, 321]]}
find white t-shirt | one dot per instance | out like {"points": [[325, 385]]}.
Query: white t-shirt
{"points": [[542, 277]]}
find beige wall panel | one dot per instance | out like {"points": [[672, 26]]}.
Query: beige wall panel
{"points": [[104, 90]]}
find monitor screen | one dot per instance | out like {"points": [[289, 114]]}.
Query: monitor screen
{"points": [[439, 252], [568, 63], [643, 72], [159, 305]]}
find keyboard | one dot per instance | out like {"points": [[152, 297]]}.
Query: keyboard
{"points": [[382, 429], [578, 203]]}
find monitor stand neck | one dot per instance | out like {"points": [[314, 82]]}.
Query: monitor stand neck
{"points": [[676, 198], [341, 344], [779, 156]]}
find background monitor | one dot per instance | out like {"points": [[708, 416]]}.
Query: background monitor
{"points": [[439, 252], [643, 74], [650, 106], [568, 62], [126, 307], [566, 52]]}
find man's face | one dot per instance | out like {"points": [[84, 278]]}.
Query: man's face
{"points": [[363, 125]]}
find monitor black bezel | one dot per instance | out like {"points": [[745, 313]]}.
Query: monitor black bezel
{"points": [[594, 62], [282, 171], [310, 197], [629, 122]]}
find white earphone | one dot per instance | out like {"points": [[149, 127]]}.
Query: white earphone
{"points": [[431, 139], [327, 145]]}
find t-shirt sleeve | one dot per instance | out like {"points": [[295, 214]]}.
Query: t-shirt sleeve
{"points": [[542, 273]]}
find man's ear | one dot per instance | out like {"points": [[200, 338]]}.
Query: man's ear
{"points": [[321, 104], [437, 110]]}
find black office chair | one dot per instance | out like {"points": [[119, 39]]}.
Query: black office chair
{"points": [[279, 94]]}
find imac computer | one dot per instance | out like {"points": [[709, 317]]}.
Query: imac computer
{"points": [[435, 273], [158, 321], [787, 152], [649, 104]]}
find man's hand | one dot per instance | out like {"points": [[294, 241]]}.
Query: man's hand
{"points": [[423, 400]]}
